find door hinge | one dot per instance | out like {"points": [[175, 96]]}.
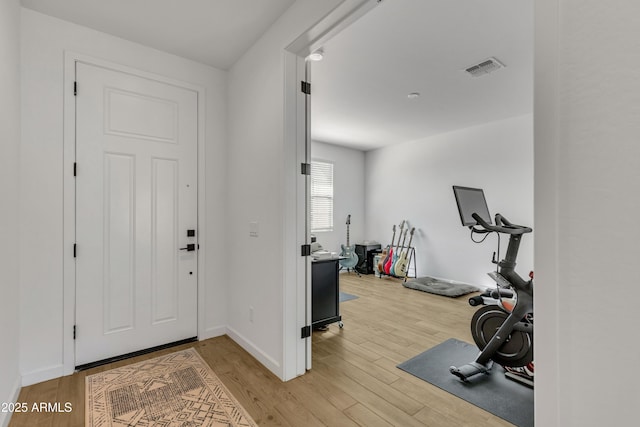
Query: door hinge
{"points": [[305, 168], [74, 332], [75, 88], [305, 332], [305, 87], [305, 250], [74, 250], [75, 169]]}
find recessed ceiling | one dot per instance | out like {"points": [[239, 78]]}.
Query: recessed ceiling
{"points": [[213, 32], [360, 88]]}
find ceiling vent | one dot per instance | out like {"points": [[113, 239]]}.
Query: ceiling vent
{"points": [[485, 67]]}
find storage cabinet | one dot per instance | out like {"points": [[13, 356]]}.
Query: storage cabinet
{"points": [[325, 292]]}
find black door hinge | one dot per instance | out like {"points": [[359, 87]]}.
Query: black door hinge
{"points": [[74, 250], [75, 169], [75, 88], [74, 332], [305, 87], [305, 168], [305, 250], [305, 332]]}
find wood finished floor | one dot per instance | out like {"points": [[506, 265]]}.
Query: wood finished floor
{"points": [[353, 382]]}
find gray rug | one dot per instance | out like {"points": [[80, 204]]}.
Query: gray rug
{"points": [[492, 392], [445, 287], [346, 297]]}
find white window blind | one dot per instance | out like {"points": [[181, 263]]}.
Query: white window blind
{"points": [[321, 196]]}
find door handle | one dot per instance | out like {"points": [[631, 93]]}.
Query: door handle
{"points": [[190, 247]]}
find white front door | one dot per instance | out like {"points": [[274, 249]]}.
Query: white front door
{"points": [[136, 198]]}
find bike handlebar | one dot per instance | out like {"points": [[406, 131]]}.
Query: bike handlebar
{"points": [[502, 225]]}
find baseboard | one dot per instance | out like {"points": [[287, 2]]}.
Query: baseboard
{"points": [[50, 373], [216, 331], [5, 417], [252, 349], [57, 371], [41, 375]]}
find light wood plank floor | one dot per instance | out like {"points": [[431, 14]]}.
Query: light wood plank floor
{"points": [[354, 380]]}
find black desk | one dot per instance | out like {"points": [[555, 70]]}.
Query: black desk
{"points": [[325, 292]]}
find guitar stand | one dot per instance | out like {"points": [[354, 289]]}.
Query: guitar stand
{"points": [[412, 257]]}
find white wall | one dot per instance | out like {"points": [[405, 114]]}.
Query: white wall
{"points": [[348, 194], [414, 180], [44, 41], [256, 191], [9, 197], [587, 182], [586, 175]]}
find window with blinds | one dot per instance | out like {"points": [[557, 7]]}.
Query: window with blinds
{"points": [[321, 196]]}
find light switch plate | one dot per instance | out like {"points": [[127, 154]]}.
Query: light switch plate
{"points": [[253, 229]]}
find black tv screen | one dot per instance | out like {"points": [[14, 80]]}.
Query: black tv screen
{"points": [[470, 201]]}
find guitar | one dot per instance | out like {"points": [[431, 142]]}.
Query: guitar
{"points": [[403, 262], [385, 252], [348, 251], [392, 269], [389, 261]]}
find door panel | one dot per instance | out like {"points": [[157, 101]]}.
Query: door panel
{"points": [[164, 262], [119, 243], [123, 109], [136, 196]]}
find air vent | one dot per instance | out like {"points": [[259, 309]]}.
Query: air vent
{"points": [[485, 67]]}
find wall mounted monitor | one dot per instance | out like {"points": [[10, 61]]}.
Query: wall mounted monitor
{"points": [[471, 200]]}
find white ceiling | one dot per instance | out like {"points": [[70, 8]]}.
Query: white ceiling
{"points": [[360, 89], [213, 32]]}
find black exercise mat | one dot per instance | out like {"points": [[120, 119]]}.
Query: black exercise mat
{"points": [[492, 392]]}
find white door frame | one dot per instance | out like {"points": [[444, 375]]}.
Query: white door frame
{"points": [[297, 272], [69, 194]]}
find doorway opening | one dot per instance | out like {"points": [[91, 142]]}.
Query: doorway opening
{"points": [[441, 208]]}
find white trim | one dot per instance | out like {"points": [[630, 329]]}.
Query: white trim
{"points": [[216, 331], [69, 282], [68, 216], [335, 21], [270, 363], [44, 374], [297, 307], [304, 216], [296, 356], [5, 417], [293, 264]]}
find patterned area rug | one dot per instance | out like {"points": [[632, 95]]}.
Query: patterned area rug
{"points": [[178, 389]]}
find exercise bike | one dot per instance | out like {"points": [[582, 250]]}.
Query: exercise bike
{"points": [[504, 337]]}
